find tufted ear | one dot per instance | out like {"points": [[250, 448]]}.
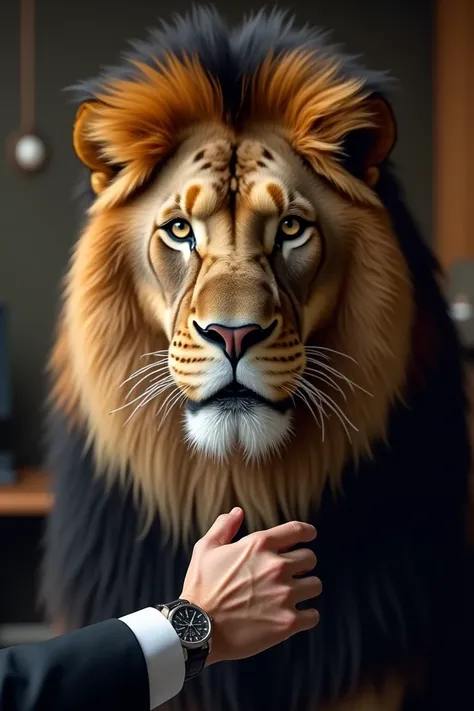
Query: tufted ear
{"points": [[367, 148], [382, 138], [125, 132], [88, 151]]}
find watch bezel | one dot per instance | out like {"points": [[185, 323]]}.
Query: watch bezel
{"points": [[200, 643]]}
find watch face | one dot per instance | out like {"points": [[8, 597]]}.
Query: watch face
{"points": [[191, 625]]}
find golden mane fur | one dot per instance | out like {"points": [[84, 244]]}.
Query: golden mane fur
{"points": [[137, 123], [108, 322]]}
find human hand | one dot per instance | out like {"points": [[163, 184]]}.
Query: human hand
{"points": [[248, 587]]}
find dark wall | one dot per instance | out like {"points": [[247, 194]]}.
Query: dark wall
{"points": [[37, 216]]}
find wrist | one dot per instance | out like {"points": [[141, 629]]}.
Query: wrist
{"points": [[214, 653], [211, 658], [193, 628]]}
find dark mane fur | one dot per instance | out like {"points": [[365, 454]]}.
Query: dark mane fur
{"points": [[229, 54], [391, 548]]}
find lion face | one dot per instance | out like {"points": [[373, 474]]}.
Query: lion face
{"points": [[243, 250], [259, 277]]}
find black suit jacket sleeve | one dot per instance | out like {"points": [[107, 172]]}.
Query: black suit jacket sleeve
{"points": [[98, 667]]}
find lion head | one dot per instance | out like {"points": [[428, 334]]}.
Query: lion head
{"points": [[238, 312]]}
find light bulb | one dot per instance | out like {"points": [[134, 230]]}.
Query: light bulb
{"points": [[30, 152], [461, 309]]}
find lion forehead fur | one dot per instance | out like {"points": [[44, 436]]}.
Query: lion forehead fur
{"points": [[336, 301]]}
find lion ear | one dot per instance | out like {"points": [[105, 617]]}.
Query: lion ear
{"points": [[88, 151], [368, 148], [382, 138]]}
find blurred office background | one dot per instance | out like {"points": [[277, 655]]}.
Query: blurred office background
{"points": [[38, 216]]}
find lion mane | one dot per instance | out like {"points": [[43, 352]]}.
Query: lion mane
{"points": [[386, 486]]}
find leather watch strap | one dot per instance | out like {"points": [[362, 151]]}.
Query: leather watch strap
{"points": [[175, 603], [196, 661]]}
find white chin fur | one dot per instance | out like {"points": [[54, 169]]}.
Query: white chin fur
{"points": [[258, 430]]}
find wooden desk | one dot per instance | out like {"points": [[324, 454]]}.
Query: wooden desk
{"points": [[29, 496]]}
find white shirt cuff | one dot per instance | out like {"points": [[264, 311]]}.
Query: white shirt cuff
{"points": [[163, 653]]}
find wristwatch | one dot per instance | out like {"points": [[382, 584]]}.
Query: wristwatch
{"points": [[194, 628]]}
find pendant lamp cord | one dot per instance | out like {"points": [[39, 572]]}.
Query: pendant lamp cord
{"points": [[27, 65]]}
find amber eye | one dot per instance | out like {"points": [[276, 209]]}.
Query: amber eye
{"points": [[291, 227], [180, 229]]}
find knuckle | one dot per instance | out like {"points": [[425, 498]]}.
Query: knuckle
{"points": [[286, 594], [198, 546], [258, 540], [308, 619], [288, 621], [276, 566]]}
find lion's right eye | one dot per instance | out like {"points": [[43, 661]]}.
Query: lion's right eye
{"points": [[180, 231]]}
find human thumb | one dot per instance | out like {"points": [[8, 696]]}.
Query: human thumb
{"points": [[224, 528]]}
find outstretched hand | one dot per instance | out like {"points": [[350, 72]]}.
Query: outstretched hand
{"points": [[248, 587]]}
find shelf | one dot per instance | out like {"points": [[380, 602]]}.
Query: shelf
{"points": [[28, 496], [20, 633]]}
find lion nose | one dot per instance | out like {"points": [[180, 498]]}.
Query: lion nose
{"points": [[235, 341]]}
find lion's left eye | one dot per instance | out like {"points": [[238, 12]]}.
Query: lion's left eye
{"points": [[291, 228]]}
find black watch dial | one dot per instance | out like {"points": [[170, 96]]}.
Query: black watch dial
{"points": [[191, 625]]}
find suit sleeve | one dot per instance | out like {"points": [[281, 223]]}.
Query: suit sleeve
{"points": [[102, 666]]}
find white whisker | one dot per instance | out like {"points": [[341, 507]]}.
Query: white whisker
{"points": [[338, 374], [143, 395], [319, 422], [172, 394], [329, 401], [176, 398], [321, 355], [149, 399], [337, 415], [155, 353], [153, 391], [144, 370], [163, 368], [179, 397], [313, 395], [332, 406], [331, 350], [326, 379]]}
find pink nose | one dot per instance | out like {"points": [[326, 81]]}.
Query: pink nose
{"points": [[231, 339]]}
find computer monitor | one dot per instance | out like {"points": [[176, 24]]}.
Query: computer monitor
{"points": [[7, 472]]}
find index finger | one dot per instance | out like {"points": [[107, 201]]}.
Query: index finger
{"points": [[287, 535]]}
